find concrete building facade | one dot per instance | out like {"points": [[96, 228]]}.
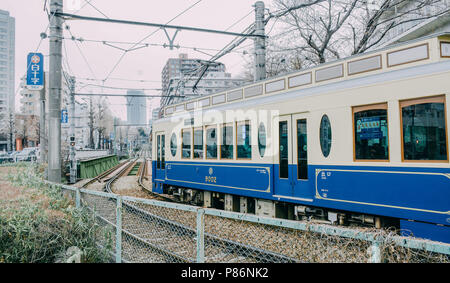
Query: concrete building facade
{"points": [[136, 108], [180, 74], [418, 23], [7, 73]]}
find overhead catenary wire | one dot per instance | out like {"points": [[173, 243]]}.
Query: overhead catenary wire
{"points": [[143, 44], [161, 26], [148, 36]]}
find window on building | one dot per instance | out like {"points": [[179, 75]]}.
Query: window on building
{"points": [[198, 143], [226, 147], [424, 130], [211, 142], [186, 143], [243, 140], [371, 132]]}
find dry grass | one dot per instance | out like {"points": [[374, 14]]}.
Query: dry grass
{"points": [[38, 224]]}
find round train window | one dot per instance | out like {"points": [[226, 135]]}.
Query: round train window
{"points": [[173, 145], [325, 135], [262, 139]]}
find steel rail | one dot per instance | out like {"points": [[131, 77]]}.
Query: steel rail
{"points": [[261, 255], [232, 247]]}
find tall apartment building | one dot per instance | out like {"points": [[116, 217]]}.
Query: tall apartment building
{"points": [[136, 108], [7, 73], [180, 74], [29, 99]]}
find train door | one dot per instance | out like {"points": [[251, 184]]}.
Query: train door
{"points": [[291, 178], [160, 156]]}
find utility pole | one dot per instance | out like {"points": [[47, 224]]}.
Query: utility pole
{"points": [[73, 161], [260, 43], [115, 137], [42, 126], [54, 106]]}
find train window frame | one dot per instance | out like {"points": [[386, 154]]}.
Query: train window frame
{"points": [[441, 49], [158, 151], [182, 143], [320, 135], [163, 151], [261, 125], [250, 139], [173, 151], [289, 129], [222, 126], [362, 108], [408, 48], [417, 101], [297, 143], [193, 142], [206, 141]]}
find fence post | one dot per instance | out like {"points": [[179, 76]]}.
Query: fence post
{"points": [[200, 235], [375, 252], [78, 198], [119, 230]]}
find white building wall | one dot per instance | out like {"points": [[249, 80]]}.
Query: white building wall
{"points": [[7, 65]]}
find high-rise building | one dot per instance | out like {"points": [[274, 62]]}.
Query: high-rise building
{"points": [[7, 61], [179, 75], [136, 108], [29, 99]]}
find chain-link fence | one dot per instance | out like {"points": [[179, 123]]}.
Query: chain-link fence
{"points": [[144, 230]]}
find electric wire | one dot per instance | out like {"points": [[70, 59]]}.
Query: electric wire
{"points": [[155, 31]]}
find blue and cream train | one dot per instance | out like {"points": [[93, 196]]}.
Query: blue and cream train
{"points": [[363, 139]]}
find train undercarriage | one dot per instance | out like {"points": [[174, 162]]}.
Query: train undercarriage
{"points": [[277, 209]]}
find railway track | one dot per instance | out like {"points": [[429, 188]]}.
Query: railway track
{"points": [[148, 236]]}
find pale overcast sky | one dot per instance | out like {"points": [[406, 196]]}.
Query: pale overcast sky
{"points": [[143, 64]]}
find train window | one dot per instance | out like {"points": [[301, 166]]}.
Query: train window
{"points": [[226, 146], [173, 144], [371, 132], [262, 139], [163, 151], [325, 135], [424, 129], [302, 150], [186, 143], [158, 152], [243, 142], [284, 149], [211, 142], [198, 143]]}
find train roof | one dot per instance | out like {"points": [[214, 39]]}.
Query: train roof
{"points": [[421, 51]]}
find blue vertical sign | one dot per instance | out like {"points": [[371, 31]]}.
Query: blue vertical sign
{"points": [[64, 116], [35, 71]]}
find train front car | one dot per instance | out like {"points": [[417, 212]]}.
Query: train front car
{"points": [[362, 141]]}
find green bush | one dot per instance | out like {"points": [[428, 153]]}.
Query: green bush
{"points": [[41, 226]]}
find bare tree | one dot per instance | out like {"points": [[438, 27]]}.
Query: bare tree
{"points": [[317, 27], [91, 124], [7, 125], [315, 32], [7, 128], [375, 21]]}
